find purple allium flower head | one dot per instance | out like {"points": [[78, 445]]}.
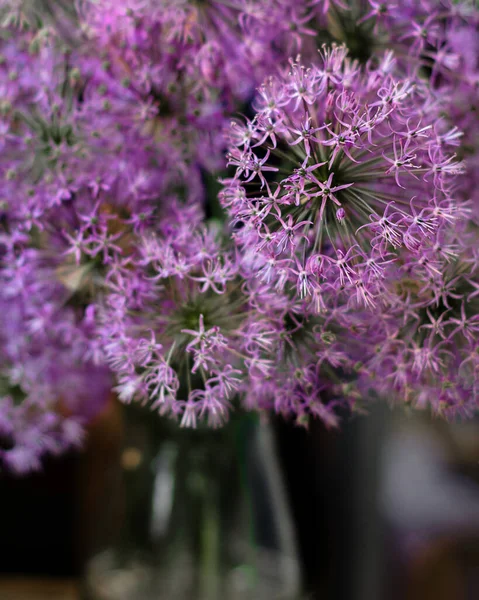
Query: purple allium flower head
{"points": [[45, 371], [170, 326], [355, 178], [184, 62], [187, 334], [345, 200]]}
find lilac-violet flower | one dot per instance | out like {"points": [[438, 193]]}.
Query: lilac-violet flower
{"points": [[362, 184]]}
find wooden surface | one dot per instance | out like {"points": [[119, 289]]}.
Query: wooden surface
{"points": [[20, 588]]}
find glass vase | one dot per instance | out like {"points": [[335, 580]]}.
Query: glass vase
{"points": [[204, 517]]}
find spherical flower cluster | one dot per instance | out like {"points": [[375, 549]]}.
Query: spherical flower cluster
{"points": [[70, 138], [185, 64], [48, 387], [340, 173], [187, 335], [172, 329], [81, 177], [343, 200]]}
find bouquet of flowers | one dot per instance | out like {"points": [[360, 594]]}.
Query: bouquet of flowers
{"points": [[207, 204]]}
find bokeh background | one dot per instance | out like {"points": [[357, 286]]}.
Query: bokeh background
{"points": [[385, 509]]}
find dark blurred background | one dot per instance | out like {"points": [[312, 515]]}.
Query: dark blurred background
{"points": [[387, 508]]}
